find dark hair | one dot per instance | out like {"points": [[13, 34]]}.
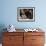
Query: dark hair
{"points": [[29, 14], [20, 13]]}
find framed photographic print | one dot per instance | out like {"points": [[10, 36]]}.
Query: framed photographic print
{"points": [[26, 14]]}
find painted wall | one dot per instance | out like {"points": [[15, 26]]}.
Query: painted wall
{"points": [[9, 13]]}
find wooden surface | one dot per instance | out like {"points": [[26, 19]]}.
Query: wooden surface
{"points": [[34, 39], [23, 39], [13, 39]]}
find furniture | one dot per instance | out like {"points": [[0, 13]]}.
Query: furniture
{"points": [[23, 39]]}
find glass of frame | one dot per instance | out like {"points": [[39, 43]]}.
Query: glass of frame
{"points": [[26, 14]]}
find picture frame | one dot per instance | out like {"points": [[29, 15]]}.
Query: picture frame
{"points": [[26, 14]]}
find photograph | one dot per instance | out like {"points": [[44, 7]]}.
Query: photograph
{"points": [[26, 14]]}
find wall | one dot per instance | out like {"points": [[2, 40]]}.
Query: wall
{"points": [[8, 13]]}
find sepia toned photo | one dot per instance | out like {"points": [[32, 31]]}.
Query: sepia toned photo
{"points": [[25, 14]]}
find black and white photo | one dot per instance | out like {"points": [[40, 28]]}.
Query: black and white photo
{"points": [[26, 14]]}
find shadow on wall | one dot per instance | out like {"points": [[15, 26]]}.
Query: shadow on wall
{"points": [[2, 26]]}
